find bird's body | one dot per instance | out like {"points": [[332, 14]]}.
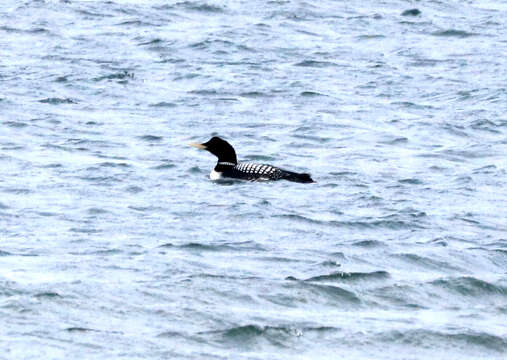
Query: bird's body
{"points": [[228, 167], [249, 171]]}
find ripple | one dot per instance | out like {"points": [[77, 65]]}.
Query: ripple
{"points": [[85, 230], [411, 181], [96, 211], [98, 252], [46, 213], [314, 63], [92, 14], [164, 104], [195, 170], [18, 191], [134, 189], [353, 276], [116, 76], [151, 42], [34, 30], [370, 37], [80, 329], [16, 124], [109, 164], [240, 246], [395, 141], [135, 23], [487, 169], [151, 138], [145, 208], [164, 166], [311, 94], [411, 12], [57, 101], [254, 94], [204, 92], [195, 6], [412, 105], [100, 180], [486, 125], [369, 243], [453, 33], [47, 295], [389, 222]]}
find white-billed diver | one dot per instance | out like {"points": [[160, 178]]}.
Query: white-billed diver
{"points": [[228, 167]]}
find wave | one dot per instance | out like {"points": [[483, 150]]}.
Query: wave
{"points": [[425, 261], [328, 292], [424, 337], [470, 286], [247, 334]]}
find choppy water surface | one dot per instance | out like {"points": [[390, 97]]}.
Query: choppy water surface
{"points": [[115, 244]]}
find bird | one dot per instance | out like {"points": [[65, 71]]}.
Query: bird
{"points": [[228, 167]]}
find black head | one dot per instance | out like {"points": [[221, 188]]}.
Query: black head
{"points": [[220, 148]]}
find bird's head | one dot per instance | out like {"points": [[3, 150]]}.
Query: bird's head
{"points": [[220, 148]]}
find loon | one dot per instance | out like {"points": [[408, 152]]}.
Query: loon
{"points": [[228, 167]]}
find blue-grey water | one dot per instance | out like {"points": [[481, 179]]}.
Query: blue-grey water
{"points": [[114, 243]]}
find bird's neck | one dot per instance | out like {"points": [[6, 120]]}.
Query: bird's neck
{"points": [[224, 165], [227, 159]]}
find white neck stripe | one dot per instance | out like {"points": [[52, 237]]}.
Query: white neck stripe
{"points": [[226, 163]]}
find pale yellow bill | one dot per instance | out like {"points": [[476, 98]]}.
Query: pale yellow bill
{"points": [[197, 145]]}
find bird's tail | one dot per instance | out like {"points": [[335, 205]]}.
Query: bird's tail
{"points": [[297, 177]]}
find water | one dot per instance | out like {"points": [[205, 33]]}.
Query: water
{"points": [[115, 244]]}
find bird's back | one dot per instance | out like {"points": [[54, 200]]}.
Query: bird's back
{"points": [[263, 172]]}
